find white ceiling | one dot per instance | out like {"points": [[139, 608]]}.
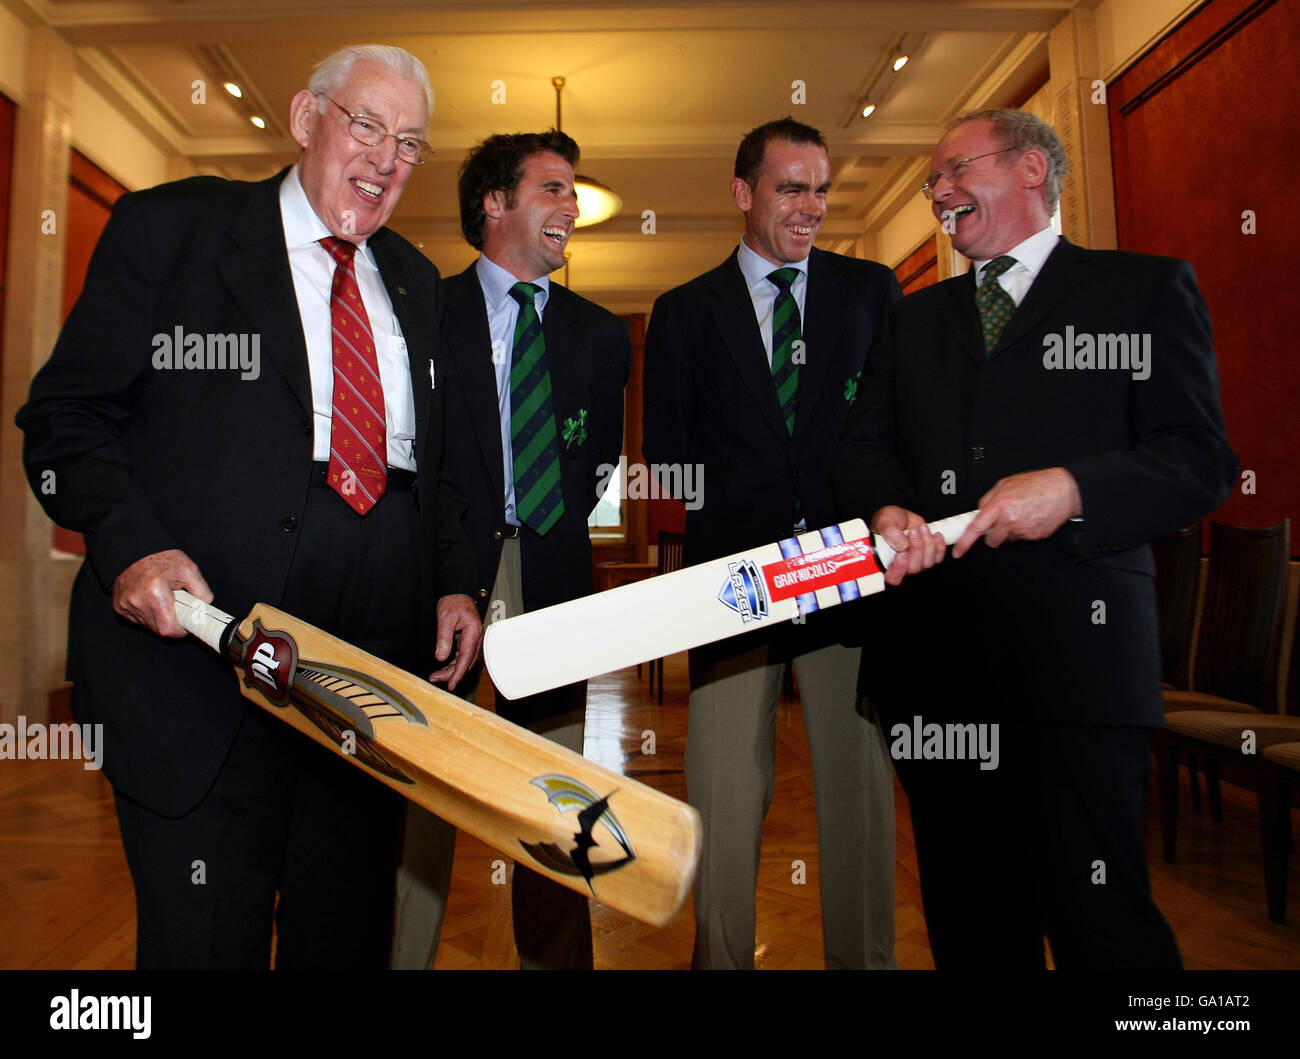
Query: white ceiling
{"points": [[658, 97]]}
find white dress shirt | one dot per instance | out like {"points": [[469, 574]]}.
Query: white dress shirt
{"points": [[762, 291], [1030, 257], [313, 279]]}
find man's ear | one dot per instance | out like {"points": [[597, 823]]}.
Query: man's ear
{"points": [[302, 114], [742, 194], [494, 204], [1033, 165]]}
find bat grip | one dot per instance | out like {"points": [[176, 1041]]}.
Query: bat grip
{"points": [[950, 529], [201, 619]]}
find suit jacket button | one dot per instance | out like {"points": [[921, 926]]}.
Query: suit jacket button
{"points": [[483, 592], [306, 427], [977, 452], [496, 536], [290, 523]]}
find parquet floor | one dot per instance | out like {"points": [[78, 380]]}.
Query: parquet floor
{"points": [[66, 899]]}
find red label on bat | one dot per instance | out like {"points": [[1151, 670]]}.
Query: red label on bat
{"points": [[269, 659], [823, 568]]}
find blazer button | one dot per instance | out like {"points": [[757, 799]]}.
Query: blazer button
{"points": [[290, 523], [496, 536], [977, 452], [483, 592], [306, 427]]}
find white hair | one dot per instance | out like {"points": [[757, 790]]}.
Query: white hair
{"points": [[333, 72]]}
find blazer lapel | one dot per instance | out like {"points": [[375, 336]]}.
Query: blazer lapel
{"points": [[563, 358], [821, 327], [467, 343], [256, 271], [962, 318], [1059, 278], [733, 313]]}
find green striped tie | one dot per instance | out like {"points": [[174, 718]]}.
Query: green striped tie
{"points": [[994, 303], [785, 333], [539, 502]]}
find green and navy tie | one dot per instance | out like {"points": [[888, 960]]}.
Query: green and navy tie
{"points": [[535, 452], [994, 303], [785, 333]]}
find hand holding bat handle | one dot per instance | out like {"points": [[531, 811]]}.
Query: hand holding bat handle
{"points": [[950, 529]]}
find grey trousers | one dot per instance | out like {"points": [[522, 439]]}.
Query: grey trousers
{"points": [[552, 923], [730, 753]]}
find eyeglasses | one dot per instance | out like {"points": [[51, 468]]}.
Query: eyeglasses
{"points": [[367, 130], [956, 171]]}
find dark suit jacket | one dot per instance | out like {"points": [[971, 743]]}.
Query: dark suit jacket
{"points": [[710, 399], [1061, 629], [588, 355], [204, 461]]}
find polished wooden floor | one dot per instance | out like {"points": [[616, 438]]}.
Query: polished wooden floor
{"points": [[66, 899]]}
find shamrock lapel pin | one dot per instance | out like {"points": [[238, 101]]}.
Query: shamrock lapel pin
{"points": [[851, 387], [575, 430]]}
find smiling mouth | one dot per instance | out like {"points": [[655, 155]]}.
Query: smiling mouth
{"points": [[799, 229], [958, 212], [368, 189], [556, 235]]}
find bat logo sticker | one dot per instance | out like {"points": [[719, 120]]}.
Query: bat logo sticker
{"points": [[567, 794], [743, 591]]}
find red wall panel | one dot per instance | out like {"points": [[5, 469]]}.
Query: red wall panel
{"points": [[1203, 128]]}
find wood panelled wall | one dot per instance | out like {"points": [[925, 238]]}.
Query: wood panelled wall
{"points": [[1203, 136], [920, 268], [8, 111]]}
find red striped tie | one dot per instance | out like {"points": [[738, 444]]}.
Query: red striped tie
{"points": [[358, 452]]}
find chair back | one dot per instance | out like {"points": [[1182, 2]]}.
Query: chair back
{"points": [[1239, 647], [1178, 562], [672, 549]]}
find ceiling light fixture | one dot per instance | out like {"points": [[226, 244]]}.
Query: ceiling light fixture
{"points": [[596, 202], [233, 89], [899, 62], [258, 120], [868, 110]]}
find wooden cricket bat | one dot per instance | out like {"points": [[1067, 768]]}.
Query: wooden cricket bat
{"points": [[552, 810], [687, 608]]}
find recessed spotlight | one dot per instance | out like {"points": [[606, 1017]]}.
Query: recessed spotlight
{"points": [[258, 120], [868, 110], [900, 62], [233, 89]]}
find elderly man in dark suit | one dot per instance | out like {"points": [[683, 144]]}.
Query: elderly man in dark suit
{"points": [[307, 475], [750, 372], [535, 410], [1072, 396]]}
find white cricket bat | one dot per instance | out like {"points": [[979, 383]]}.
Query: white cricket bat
{"points": [[700, 604], [597, 832]]}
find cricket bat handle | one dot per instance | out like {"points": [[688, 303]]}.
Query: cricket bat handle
{"points": [[201, 619], [950, 529]]}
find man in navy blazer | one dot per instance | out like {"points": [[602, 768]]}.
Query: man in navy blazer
{"points": [[1072, 396], [518, 207], [750, 372], [185, 470]]}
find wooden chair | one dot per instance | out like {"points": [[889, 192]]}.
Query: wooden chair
{"points": [[1238, 658], [1239, 644], [672, 550], [1178, 574]]}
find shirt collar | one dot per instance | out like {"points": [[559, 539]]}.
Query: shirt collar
{"points": [[1030, 255], [496, 282], [757, 268], [301, 225]]}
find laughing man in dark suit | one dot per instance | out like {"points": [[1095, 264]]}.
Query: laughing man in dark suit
{"points": [[750, 372], [1043, 621], [248, 485], [536, 378]]}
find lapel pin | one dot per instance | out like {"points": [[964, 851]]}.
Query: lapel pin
{"points": [[401, 290]]}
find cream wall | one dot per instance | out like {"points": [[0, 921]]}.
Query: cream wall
{"points": [[116, 145], [13, 56], [1126, 29]]}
